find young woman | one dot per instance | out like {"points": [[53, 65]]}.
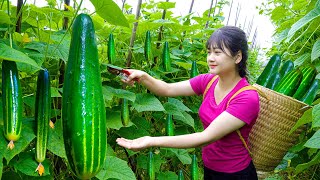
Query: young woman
{"points": [[223, 153]]}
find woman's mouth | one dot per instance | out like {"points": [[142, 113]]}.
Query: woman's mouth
{"points": [[212, 66]]}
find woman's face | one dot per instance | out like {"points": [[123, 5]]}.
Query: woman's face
{"points": [[221, 62]]}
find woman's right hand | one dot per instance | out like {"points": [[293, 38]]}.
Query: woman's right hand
{"points": [[135, 75]]}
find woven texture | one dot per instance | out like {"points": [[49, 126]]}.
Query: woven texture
{"points": [[269, 138]]}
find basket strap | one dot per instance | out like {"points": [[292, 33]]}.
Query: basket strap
{"points": [[209, 85]]}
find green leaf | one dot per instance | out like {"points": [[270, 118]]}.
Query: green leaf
{"points": [[306, 118], [313, 142], [168, 175], [132, 132], [55, 140], [109, 92], [10, 54], [179, 104], [110, 151], [277, 13], [186, 118], [113, 119], [55, 92], [304, 166], [172, 109], [147, 102], [142, 162], [303, 21], [315, 50], [110, 11], [166, 5], [316, 116], [4, 18], [300, 60], [117, 169], [27, 165], [27, 135], [182, 155]]}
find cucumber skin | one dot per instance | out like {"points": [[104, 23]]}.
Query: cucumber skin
{"points": [[83, 111], [308, 75], [272, 67]]}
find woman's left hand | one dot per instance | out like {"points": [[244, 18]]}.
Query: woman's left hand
{"points": [[135, 144]]}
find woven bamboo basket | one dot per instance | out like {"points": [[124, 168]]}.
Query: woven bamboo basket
{"points": [[269, 137]]}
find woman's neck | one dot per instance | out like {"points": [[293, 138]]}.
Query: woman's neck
{"points": [[228, 81]]}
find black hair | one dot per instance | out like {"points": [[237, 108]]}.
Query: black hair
{"points": [[235, 40]]}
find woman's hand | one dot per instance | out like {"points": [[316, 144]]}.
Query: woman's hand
{"points": [[135, 144], [135, 75]]}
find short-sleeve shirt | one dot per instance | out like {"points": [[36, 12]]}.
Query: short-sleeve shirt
{"points": [[227, 154]]}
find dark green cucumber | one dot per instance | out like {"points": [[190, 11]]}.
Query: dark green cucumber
{"points": [[151, 172], [308, 75], [166, 57], [274, 80], [42, 116], [111, 49], [11, 102], [194, 69], [286, 67], [289, 83], [125, 117], [311, 93], [147, 47], [169, 125], [180, 176], [83, 110], [194, 168], [271, 68]]}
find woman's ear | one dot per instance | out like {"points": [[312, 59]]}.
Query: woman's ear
{"points": [[238, 57]]}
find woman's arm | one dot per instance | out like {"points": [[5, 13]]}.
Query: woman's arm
{"points": [[224, 124], [160, 87]]}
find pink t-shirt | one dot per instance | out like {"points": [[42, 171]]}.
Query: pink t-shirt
{"points": [[228, 154]]}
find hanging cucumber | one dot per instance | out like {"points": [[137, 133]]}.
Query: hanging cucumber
{"points": [[111, 49], [147, 48], [311, 93], [166, 57], [194, 168], [274, 80], [308, 75], [289, 83], [180, 176], [151, 172], [271, 68], [286, 67], [194, 69], [83, 110], [169, 125], [125, 117], [42, 117], [11, 102]]}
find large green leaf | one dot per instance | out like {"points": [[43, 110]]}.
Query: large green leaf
{"points": [[4, 18], [27, 165], [117, 169], [172, 109], [313, 142], [147, 102], [179, 104], [113, 119], [316, 116], [168, 175], [132, 132], [315, 50], [110, 11], [27, 135], [304, 166], [182, 155], [10, 54], [142, 162], [306, 118], [300, 60], [109, 92], [55, 140], [186, 118], [166, 5], [303, 21]]}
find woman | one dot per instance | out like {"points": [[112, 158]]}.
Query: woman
{"points": [[223, 153]]}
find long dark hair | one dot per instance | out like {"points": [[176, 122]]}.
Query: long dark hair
{"points": [[235, 40]]}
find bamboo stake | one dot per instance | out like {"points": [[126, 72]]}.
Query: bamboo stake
{"points": [[229, 12], [207, 23]]}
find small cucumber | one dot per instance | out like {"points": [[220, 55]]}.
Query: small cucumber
{"points": [[151, 172], [125, 117], [111, 49], [169, 125], [194, 70], [166, 57], [194, 168]]}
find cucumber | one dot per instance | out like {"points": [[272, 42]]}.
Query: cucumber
{"points": [[311, 93], [289, 83], [286, 67], [194, 168], [125, 118], [11, 102], [169, 125], [151, 172], [83, 110], [271, 68], [166, 57], [194, 69], [180, 176], [308, 75], [273, 81], [42, 117], [147, 47], [111, 50]]}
